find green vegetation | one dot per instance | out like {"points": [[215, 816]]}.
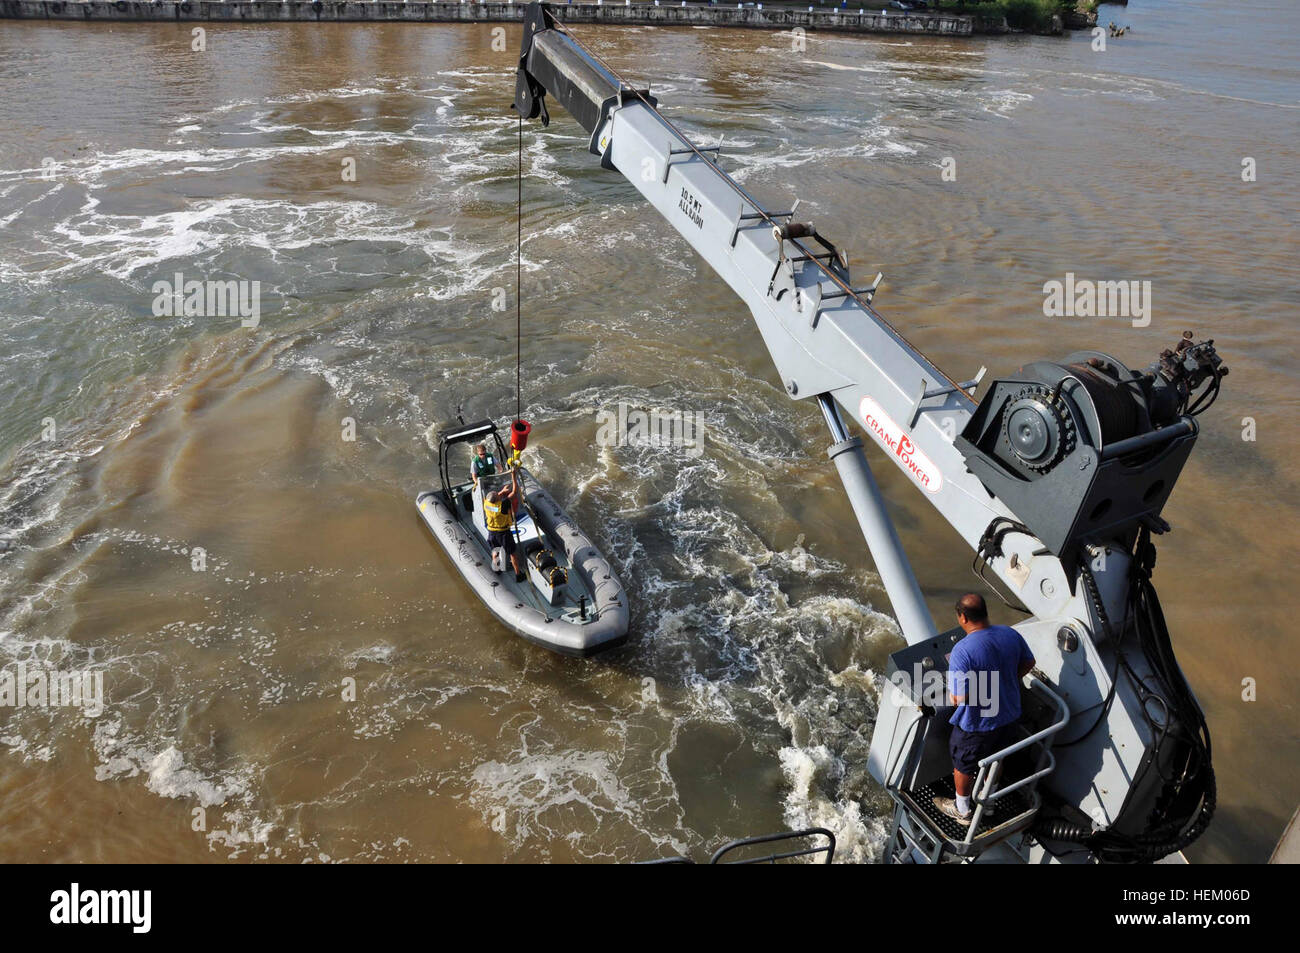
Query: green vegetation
{"points": [[1020, 14]]}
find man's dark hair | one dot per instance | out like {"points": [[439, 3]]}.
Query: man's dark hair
{"points": [[972, 607]]}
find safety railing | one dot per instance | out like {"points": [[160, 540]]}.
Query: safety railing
{"points": [[827, 848], [990, 768]]}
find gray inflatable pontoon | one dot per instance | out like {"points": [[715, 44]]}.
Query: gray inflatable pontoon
{"points": [[571, 600]]}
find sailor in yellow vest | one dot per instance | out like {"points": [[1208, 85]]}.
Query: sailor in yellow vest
{"points": [[499, 512]]}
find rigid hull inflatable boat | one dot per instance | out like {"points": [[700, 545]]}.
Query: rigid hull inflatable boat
{"points": [[570, 599]]}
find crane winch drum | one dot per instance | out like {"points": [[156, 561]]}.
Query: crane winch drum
{"points": [[1087, 450]]}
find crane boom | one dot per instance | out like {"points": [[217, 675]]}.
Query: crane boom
{"points": [[823, 335], [1055, 478]]}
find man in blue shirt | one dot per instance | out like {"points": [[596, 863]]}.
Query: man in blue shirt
{"points": [[984, 673]]}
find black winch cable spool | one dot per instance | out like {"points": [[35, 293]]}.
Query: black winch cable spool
{"points": [[1116, 411]]}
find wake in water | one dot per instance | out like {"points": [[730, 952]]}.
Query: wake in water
{"points": [[322, 689], [740, 655]]}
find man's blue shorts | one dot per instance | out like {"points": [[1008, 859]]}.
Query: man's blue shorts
{"points": [[968, 747]]}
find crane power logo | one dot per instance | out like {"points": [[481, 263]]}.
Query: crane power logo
{"points": [[890, 436]]}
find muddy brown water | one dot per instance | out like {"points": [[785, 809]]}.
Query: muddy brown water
{"points": [[744, 701]]}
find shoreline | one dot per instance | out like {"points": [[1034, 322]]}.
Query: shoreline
{"points": [[861, 19]]}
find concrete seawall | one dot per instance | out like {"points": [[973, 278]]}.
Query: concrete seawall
{"points": [[641, 14]]}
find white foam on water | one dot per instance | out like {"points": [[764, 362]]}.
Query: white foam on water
{"points": [[847, 68], [242, 831], [722, 586], [139, 247], [572, 795], [170, 777], [32, 495], [165, 771], [382, 652], [865, 139], [728, 630], [1000, 102], [859, 839]]}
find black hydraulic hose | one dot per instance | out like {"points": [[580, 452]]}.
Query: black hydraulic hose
{"points": [[1172, 834], [1094, 594], [1208, 396]]}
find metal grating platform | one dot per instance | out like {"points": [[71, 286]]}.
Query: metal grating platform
{"points": [[1002, 810]]}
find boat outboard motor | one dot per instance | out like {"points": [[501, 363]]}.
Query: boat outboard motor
{"points": [[1087, 450]]}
